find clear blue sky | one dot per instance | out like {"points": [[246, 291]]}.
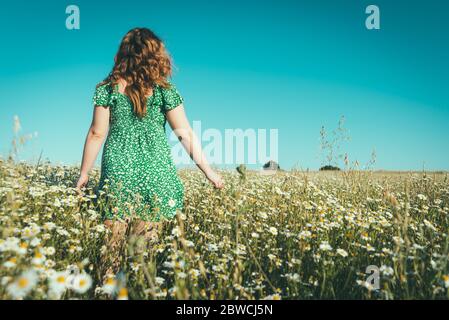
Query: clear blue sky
{"points": [[291, 65]]}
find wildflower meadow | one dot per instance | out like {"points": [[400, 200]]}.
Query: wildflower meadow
{"points": [[291, 235]]}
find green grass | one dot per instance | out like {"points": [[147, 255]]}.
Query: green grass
{"points": [[293, 235]]}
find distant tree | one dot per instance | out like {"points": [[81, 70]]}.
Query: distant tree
{"points": [[329, 168]]}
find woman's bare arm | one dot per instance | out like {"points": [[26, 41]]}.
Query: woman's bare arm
{"points": [[181, 127], [95, 137]]}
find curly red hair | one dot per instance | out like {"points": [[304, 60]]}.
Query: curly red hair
{"points": [[142, 61]]}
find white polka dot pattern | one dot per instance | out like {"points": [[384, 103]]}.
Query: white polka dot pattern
{"points": [[137, 170]]}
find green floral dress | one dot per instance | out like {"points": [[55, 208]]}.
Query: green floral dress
{"points": [[138, 175]]}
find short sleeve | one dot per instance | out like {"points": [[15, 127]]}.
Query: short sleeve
{"points": [[171, 97], [102, 95]]}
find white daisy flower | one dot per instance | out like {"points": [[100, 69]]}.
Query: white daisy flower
{"points": [[171, 203], [255, 235], [176, 232], [122, 294], [272, 297], [5, 280], [212, 247], [110, 286], [159, 281], [10, 244], [422, 197], [273, 231], [38, 259], [31, 231], [49, 251], [100, 228], [49, 226], [325, 246], [11, 263], [81, 283], [386, 270], [58, 283], [27, 233], [263, 215], [342, 252], [446, 281], [49, 263], [22, 285], [35, 242]]}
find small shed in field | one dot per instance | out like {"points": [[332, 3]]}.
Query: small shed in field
{"points": [[271, 165]]}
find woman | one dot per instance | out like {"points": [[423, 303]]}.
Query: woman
{"points": [[132, 106]]}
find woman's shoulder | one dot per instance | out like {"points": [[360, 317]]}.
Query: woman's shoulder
{"points": [[104, 86], [171, 96], [103, 91], [168, 89]]}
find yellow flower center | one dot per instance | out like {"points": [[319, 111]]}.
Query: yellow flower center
{"points": [[123, 292], [110, 281], [23, 282], [82, 282], [60, 279], [13, 260]]}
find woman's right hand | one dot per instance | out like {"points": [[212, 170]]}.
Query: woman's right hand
{"points": [[82, 181], [215, 179]]}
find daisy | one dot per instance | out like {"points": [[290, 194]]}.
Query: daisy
{"points": [[386, 270], [171, 203], [10, 244], [159, 281], [273, 231], [22, 248], [5, 280], [446, 281], [122, 294], [49, 264], [255, 235], [58, 283], [263, 215], [110, 286], [35, 242], [81, 282], [49, 251], [27, 233], [22, 285], [272, 297], [31, 231], [325, 246], [49, 226], [38, 259], [176, 232], [100, 228], [11, 263], [342, 252]]}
